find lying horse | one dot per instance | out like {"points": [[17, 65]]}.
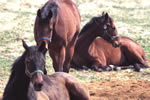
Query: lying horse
{"points": [[28, 82], [99, 53], [58, 24]]}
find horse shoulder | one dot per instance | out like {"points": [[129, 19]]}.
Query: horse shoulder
{"points": [[105, 53], [96, 50]]}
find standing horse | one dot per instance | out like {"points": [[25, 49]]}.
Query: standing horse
{"points": [[58, 24], [28, 82], [99, 53]]}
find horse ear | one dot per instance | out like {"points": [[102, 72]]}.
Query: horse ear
{"points": [[103, 13], [25, 45], [43, 48], [39, 13], [106, 16]]}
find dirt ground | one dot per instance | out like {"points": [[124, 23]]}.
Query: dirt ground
{"points": [[120, 90]]}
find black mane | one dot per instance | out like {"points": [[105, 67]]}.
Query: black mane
{"points": [[49, 8], [15, 80], [88, 25]]}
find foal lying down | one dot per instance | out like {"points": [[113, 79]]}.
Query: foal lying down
{"points": [[28, 80], [99, 53]]}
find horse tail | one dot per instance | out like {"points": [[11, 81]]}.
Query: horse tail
{"points": [[49, 10]]}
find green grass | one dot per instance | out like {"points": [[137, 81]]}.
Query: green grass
{"points": [[17, 18]]}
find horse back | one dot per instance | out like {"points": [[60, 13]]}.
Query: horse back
{"points": [[65, 86]]}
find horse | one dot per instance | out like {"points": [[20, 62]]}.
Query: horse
{"points": [[99, 47], [29, 82], [58, 25]]}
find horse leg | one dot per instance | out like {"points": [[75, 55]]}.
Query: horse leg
{"points": [[97, 66], [117, 68], [135, 66], [58, 58], [138, 68], [137, 56], [69, 53]]}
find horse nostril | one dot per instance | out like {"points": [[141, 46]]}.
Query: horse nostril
{"points": [[38, 86]]}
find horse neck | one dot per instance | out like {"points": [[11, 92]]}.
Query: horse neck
{"points": [[86, 38], [18, 84]]}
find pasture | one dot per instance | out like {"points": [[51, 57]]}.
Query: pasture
{"points": [[131, 18]]}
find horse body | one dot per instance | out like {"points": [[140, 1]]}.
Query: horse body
{"points": [[96, 52], [63, 29], [132, 50], [105, 53], [29, 82], [99, 53], [60, 86]]}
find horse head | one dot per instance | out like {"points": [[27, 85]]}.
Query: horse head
{"points": [[46, 17], [105, 27], [35, 64]]}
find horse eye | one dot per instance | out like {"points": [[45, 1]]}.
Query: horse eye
{"points": [[105, 27]]}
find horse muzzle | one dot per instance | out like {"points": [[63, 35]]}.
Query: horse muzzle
{"points": [[37, 81], [116, 44], [37, 86]]}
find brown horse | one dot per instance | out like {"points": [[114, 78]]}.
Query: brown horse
{"points": [[27, 77], [99, 53], [58, 24]]}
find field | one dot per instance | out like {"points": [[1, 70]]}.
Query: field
{"points": [[131, 18]]}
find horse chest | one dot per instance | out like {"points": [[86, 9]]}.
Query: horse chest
{"points": [[55, 91]]}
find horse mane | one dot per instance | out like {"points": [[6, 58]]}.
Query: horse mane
{"points": [[18, 61], [49, 6], [17, 73], [88, 25]]}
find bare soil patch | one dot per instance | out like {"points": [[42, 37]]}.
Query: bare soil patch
{"points": [[120, 90]]}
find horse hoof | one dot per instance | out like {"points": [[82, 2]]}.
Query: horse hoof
{"points": [[117, 68], [108, 68], [141, 70], [85, 68], [112, 66]]}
